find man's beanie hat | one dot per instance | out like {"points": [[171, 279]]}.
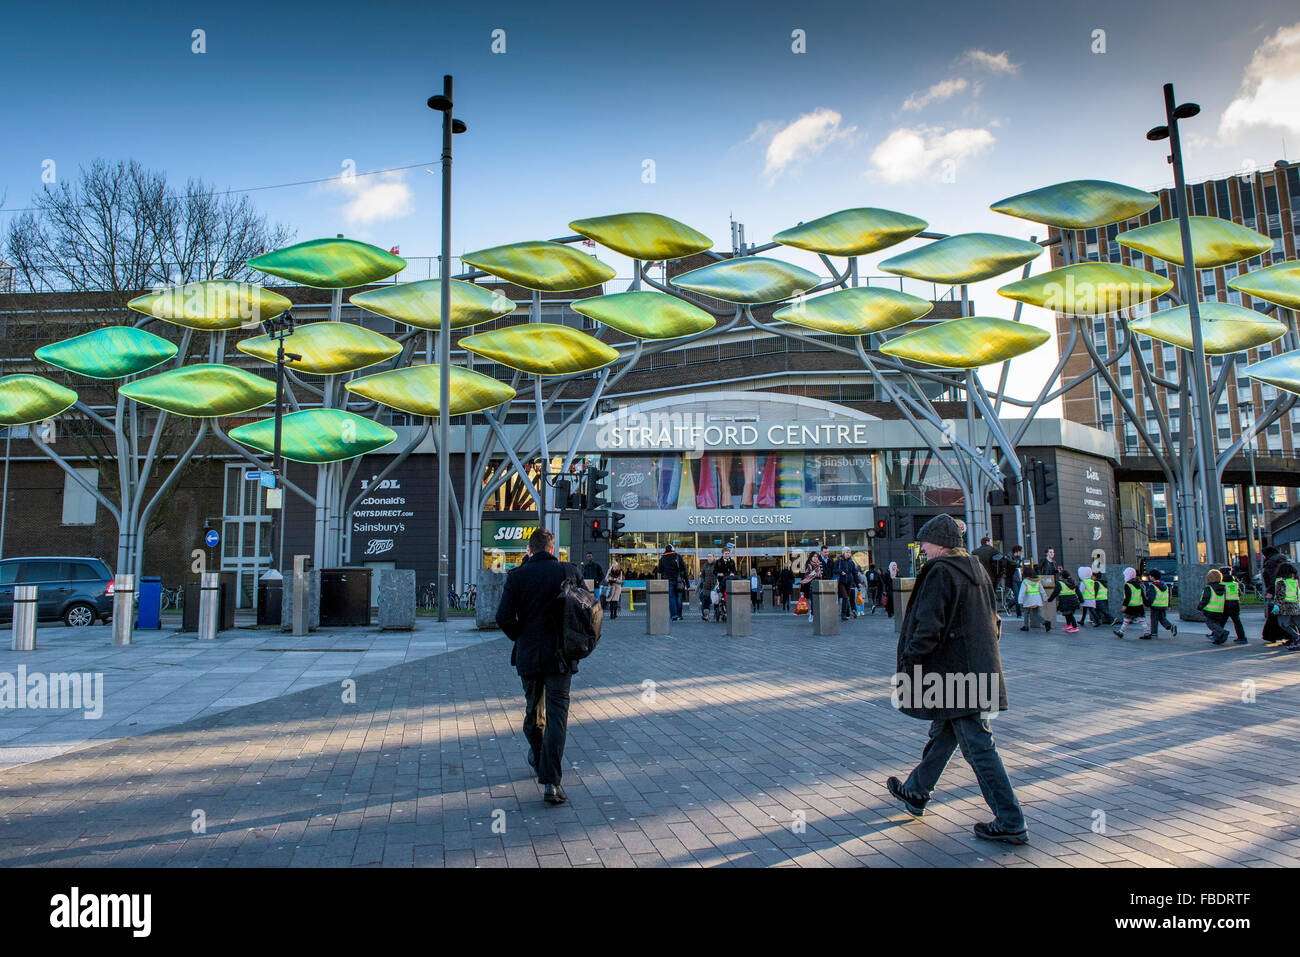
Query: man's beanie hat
{"points": [[942, 530]]}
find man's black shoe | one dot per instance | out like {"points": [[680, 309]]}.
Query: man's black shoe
{"points": [[555, 794], [991, 832], [1240, 641], [910, 804], [1218, 641]]}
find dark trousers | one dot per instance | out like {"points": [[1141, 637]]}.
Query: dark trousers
{"points": [[674, 599], [1101, 614], [1235, 618], [1216, 625], [546, 722], [1158, 618], [846, 600], [975, 738]]}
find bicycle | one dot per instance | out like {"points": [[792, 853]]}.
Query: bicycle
{"points": [[173, 598]]}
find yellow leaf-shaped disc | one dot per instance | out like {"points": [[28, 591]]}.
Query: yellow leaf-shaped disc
{"points": [[541, 348], [1215, 242], [967, 343], [1281, 371], [964, 258], [549, 267], [330, 263], [212, 305], [1225, 328], [649, 237], [1279, 283], [327, 348], [852, 232], [420, 303], [646, 315], [748, 279], [31, 398], [415, 389], [1078, 204], [1088, 289], [202, 391], [855, 312]]}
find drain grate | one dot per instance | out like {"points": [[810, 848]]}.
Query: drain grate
{"points": [[355, 651]]}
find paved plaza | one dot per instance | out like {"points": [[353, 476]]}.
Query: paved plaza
{"points": [[694, 750]]}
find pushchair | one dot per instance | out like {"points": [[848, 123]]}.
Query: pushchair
{"points": [[720, 600]]}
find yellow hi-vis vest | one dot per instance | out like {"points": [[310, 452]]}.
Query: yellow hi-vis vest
{"points": [[1162, 596], [1102, 593], [1231, 591], [1032, 589], [1133, 596], [1215, 602], [1288, 589], [1066, 590], [1089, 589]]}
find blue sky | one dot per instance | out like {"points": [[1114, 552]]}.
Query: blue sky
{"points": [[934, 109]]}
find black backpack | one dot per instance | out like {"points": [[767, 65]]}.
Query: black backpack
{"points": [[580, 616]]}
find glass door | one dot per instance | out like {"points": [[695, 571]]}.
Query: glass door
{"points": [[245, 534]]}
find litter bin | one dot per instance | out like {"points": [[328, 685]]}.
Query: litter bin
{"points": [[226, 613], [149, 595], [270, 596], [344, 596]]}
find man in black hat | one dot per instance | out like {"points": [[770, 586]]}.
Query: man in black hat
{"points": [[950, 673]]}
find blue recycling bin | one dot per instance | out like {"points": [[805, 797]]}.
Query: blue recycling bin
{"points": [[149, 594]]}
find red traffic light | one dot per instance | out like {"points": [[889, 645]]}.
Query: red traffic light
{"points": [[597, 528]]}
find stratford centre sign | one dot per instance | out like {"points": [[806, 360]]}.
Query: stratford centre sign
{"points": [[664, 431]]}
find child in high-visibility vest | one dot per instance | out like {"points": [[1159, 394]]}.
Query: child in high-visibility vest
{"points": [[1031, 599], [1156, 597], [1232, 604], [1286, 598], [1066, 597], [1096, 597], [1134, 608], [1213, 601]]}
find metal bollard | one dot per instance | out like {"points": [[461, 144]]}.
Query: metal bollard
{"points": [[902, 598], [739, 609], [826, 607], [301, 614], [656, 608], [123, 609], [209, 605], [24, 635]]}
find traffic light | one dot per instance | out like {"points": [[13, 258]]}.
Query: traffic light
{"points": [[904, 528], [597, 488], [615, 526], [1008, 494], [1044, 482], [884, 522], [597, 528], [563, 494]]}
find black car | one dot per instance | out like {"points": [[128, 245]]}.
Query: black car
{"points": [[1168, 568], [77, 590]]}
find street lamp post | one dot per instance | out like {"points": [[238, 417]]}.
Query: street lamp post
{"points": [[279, 327], [450, 125], [1207, 444], [1257, 528]]}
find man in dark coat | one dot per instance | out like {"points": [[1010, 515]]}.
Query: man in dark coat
{"points": [[990, 558], [1273, 560], [672, 569], [528, 616], [950, 673]]}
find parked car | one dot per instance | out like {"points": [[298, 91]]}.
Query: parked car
{"points": [[1168, 567], [77, 590]]}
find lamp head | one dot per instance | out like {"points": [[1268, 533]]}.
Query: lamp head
{"points": [[458, 126], [440, 103], [1158, 133], [1186, 111]]}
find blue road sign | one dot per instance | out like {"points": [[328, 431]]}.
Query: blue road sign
{"points": [[267, 478], [212, 538], [253, 476]]}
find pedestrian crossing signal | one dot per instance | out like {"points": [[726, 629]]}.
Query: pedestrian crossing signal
{"points": [[597, 528]]}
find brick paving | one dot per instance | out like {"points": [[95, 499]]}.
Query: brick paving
{"points": [[698, 750]]}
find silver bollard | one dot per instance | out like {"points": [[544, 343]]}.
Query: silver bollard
{"points": [[209, 605], [656, 608], [123, 609], [826, 607], [739, 608], [301, 614], [24, 635]]}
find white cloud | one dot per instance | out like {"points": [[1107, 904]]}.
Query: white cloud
{"points": [[940, 91], [910, 153], [993, 62], [1270, 87], [376, 198], [806, 136]]}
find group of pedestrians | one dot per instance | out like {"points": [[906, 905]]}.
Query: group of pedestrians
{"points": [[950, 628]]}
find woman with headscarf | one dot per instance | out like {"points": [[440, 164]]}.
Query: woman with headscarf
{"points": [[887, 587], [1134, 606]]}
